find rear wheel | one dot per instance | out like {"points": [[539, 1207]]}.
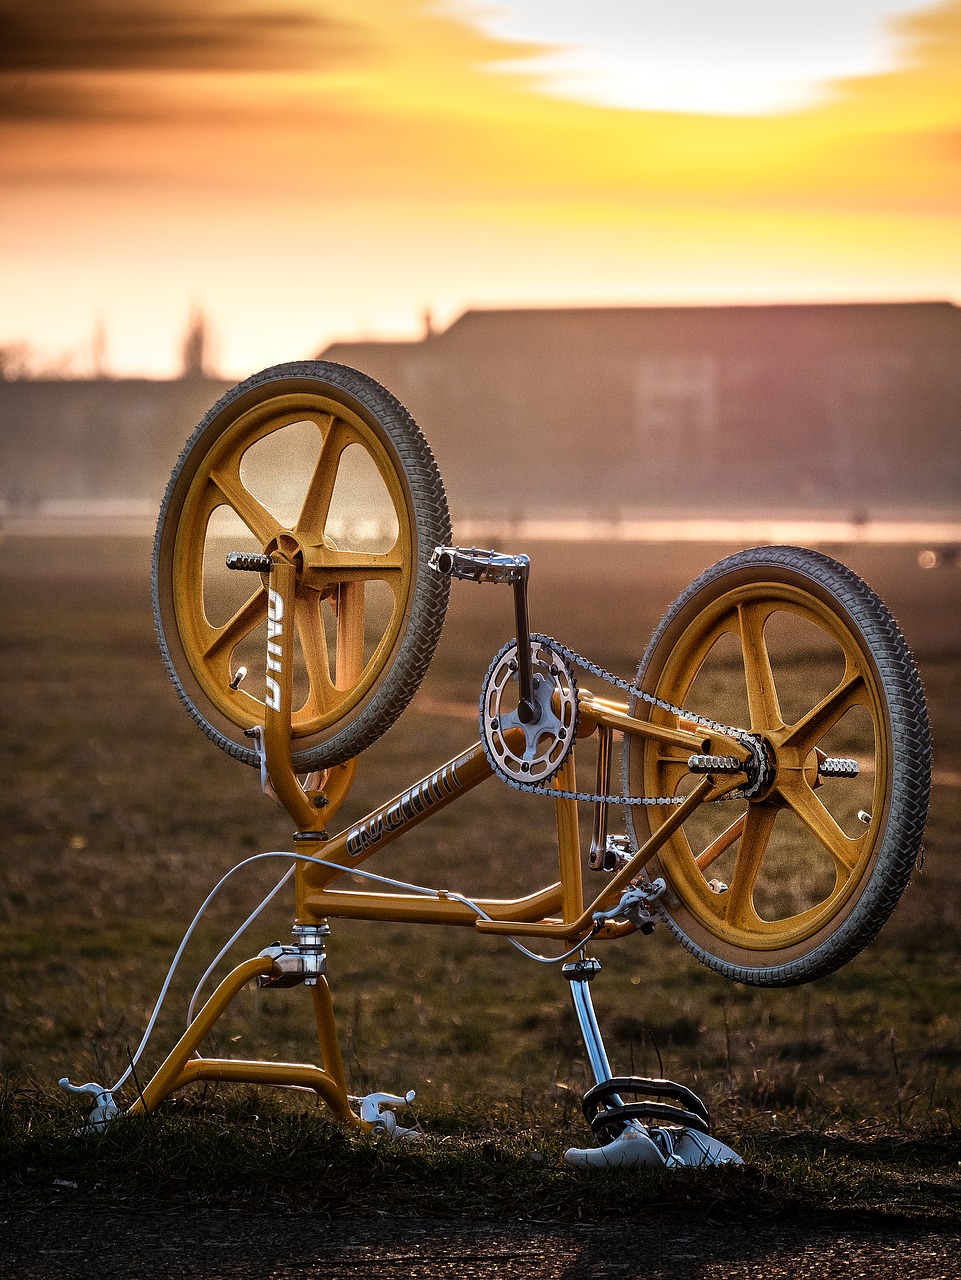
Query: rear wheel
{"points": [[787, 886], [321, 462]]}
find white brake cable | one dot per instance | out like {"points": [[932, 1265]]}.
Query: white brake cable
{"points": [[238, 935], [135, 1058], [322, 862], [440, 895]]}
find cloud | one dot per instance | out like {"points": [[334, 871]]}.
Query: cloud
{"points": [[742, 57], [24, 99], [156, 35]]}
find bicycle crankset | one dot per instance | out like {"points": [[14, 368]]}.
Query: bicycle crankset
{"points": [[528, 743]]}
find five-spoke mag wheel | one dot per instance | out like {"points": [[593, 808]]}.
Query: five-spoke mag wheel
{"points": [[319, 464], [788, 885]]}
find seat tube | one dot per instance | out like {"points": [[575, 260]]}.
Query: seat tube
{"points": [[569, 844]]}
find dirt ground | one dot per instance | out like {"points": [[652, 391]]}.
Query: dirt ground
{"points": [[71, 1244]]}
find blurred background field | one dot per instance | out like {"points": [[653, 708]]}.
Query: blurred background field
{"points": [[118, 817]]}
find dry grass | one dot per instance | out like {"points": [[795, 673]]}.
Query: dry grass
{"points": [[118, 816]]}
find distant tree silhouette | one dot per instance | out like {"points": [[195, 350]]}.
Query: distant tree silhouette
{"points": [[196, 346], [16, 361], [98, 350]]}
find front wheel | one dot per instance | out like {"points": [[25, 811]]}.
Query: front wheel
{"points": [[789, 885], [321, 462]]}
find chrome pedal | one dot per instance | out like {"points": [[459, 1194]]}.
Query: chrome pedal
{"points": [[475, 565]]}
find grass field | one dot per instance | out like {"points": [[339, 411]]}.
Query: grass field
{"points": [[118, 816]]}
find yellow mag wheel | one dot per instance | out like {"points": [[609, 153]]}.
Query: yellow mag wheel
{"points": [[320, 462], [787, 886]]}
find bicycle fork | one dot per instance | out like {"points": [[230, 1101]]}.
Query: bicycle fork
{"points": [[625, 1137]]}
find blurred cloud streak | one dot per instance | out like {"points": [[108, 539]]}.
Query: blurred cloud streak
{"points": [[122, 35]]}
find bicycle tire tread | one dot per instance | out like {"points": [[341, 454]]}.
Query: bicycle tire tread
{"points": [[432, 527], [911, 754]]}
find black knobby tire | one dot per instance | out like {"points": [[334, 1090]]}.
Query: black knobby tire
{"points": [[390, 455], [850, 678]]}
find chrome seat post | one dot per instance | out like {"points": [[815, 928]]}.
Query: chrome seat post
{"points": [[580, 974]]}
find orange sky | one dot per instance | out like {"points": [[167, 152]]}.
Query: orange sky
{"points": [[311, 169]]}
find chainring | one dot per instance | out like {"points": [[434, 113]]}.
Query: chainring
{"points": [[549, 739]]}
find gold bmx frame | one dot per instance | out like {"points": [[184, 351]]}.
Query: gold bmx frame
{"points": [[294, 468], [558, 911]]}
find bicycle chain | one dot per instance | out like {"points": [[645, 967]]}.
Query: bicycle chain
{"points": [[577, 659]]}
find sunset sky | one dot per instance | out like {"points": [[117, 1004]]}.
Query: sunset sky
{"points": [[305, 170]]}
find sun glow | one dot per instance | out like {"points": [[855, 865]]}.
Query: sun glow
{"points": [[378, 166], [745, 57]]}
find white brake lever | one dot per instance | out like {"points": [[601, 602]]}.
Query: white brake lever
{"points": [[104, 1111], [375, 1112]]}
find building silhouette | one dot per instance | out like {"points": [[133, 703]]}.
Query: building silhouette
{"points": [[847, 410], [76, 443], [850, 411]]}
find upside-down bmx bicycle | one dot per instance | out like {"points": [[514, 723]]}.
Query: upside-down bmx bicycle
{"points": [[301, 572]]}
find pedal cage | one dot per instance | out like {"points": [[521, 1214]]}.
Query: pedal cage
{"points": [[607, 1114]]}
